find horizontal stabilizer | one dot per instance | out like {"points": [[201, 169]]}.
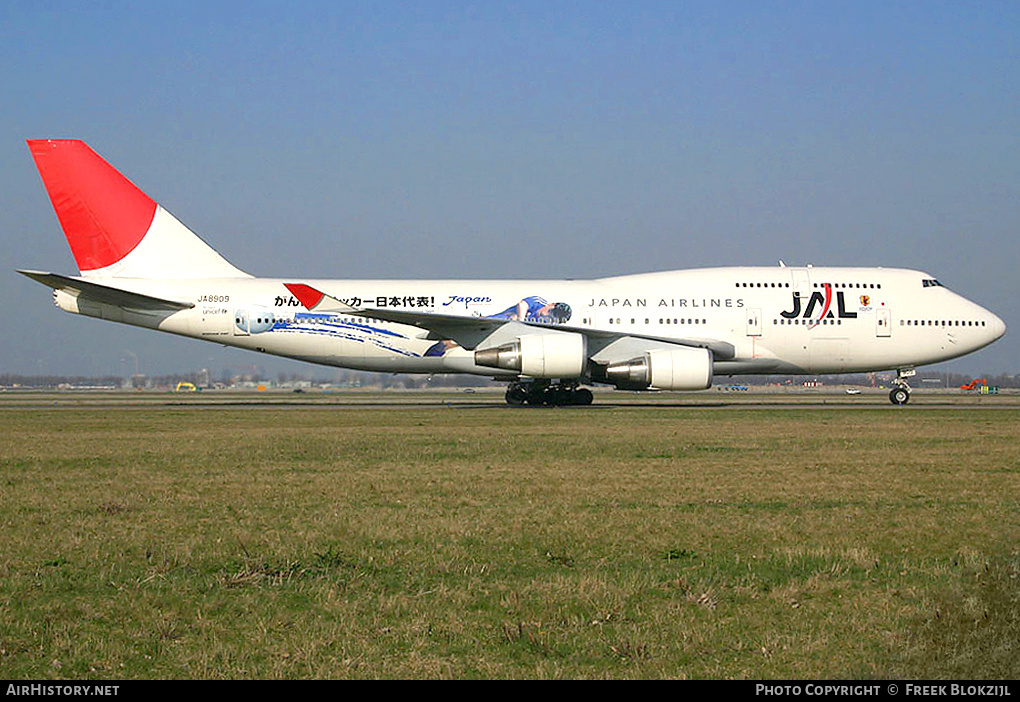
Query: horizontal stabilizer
{"points": [[105, 293]]}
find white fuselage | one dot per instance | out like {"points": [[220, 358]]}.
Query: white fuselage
{"points": [[756, 320]]}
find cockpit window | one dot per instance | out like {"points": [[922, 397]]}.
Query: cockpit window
{"points": [[931, 283]]}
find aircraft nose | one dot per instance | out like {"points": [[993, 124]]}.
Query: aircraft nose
{"points": [[996, 326]]}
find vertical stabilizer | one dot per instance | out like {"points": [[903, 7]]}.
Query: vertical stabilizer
{"points": [[113, 228]]}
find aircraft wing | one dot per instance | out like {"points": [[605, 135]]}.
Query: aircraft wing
{"points": [[105, 293], [469, 332]]}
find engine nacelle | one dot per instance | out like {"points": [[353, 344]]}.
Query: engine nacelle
{"points": [[684, 368], [552, 355]]}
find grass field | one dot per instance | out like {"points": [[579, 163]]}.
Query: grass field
{"points": [[472, 540]]}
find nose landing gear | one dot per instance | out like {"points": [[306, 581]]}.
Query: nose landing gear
{"points": [[900, 395]]}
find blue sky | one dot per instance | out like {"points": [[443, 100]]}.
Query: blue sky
{"points": [[553, 139]]}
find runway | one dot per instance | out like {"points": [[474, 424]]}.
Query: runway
{"points": [[714, 399]]}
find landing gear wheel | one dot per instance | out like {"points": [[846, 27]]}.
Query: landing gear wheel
{"points": [[545, 393], [583, 396], [537, 394], [556, 395], [899, 396], [516, 394]]}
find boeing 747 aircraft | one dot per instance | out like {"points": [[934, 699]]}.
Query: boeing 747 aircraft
{"points": [[547, 338]]}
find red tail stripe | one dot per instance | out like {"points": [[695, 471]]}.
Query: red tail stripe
{"points": [[104, 215]]}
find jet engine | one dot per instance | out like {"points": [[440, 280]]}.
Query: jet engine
{"points": [[551, 355], [683, 368]]}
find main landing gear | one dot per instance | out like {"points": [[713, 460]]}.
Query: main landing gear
{"points": [[544, 392], [900, 395]]}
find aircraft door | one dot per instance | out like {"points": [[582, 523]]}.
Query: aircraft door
{"points": [[754, 322], [240, 322], [588, 316], [801, 282], [883, 322]]}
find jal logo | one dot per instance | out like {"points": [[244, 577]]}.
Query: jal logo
{"points": [[819, 300]]}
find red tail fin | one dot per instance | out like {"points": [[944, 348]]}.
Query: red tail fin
{"points": [[114, 229], [103, 214]]}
